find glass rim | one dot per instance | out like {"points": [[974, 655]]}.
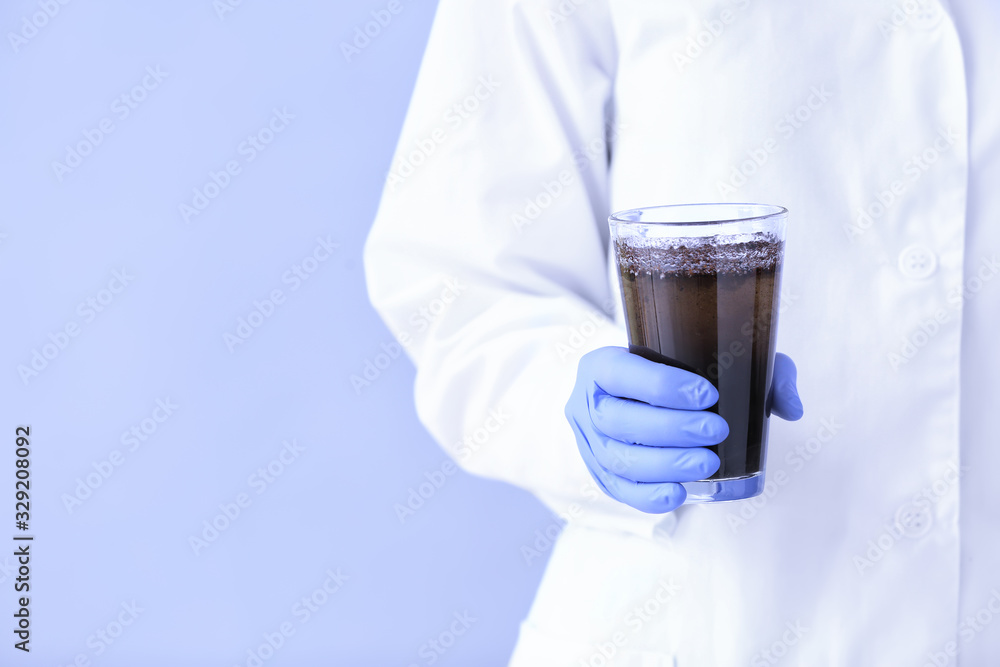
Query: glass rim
{"points": [[775, 212]]}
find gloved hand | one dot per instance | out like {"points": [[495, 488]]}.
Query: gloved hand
{"points": [[621, 399]]}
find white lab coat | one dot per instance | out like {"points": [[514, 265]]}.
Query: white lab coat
{"points": [[877, 124]]}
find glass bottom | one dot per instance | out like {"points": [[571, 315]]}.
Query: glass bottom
{"points": [[724, 490]]}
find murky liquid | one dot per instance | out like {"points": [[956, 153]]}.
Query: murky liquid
{"points": [[712, 310]]}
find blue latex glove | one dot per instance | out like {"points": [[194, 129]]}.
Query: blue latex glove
{"points": [[621, 399]]}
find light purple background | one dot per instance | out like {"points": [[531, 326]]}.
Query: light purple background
{"points": [[162, 337]]}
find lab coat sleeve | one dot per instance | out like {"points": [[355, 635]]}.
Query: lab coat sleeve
{"points": [[488, 257]]}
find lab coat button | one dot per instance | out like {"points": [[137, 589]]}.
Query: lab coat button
{"points": [[917, 262], [927, 15], [914, 520]]}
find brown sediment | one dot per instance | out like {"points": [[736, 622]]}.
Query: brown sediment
{"points": [[691, 256]]}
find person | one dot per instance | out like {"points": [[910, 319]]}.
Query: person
{"points": [[877, 124]]}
